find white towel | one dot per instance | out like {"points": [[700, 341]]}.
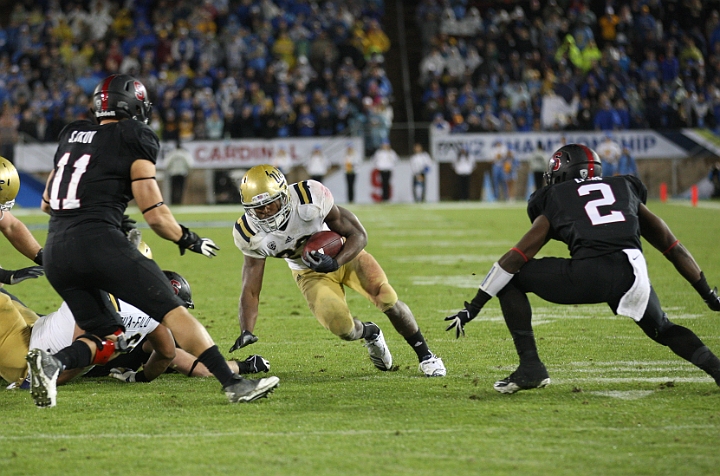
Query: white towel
{"points": [[635, 301]]}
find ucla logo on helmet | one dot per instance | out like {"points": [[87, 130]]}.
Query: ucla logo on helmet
{"points": [[140, 92], [276, 175]]}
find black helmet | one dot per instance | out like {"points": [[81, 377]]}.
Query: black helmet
{"points": [[573, 161], [121, 96], [181, 288]]}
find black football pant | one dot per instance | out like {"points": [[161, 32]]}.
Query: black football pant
{"points": [[591, 281]]}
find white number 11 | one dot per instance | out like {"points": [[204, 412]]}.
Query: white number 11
{"points": [[70, 201]]}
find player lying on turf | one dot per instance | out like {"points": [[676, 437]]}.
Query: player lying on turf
{"points": [[153, 346], [601, 220], [278, 221]]}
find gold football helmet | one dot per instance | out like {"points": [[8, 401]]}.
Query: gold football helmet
{"points": [[261, 186], [144, 249], [9, 185]]}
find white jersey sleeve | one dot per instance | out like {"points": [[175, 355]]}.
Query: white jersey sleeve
{"points": [[310, 203], [53, 332]]}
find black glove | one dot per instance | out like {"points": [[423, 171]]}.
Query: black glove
{"points": [[320, 262], [39, 258], [458, 322], [471, 310], [127, 224], [246, 338], [710, 296], [253, 365], [191, 241], [9, 276]]}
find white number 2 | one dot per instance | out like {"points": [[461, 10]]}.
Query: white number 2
{"points": [[70, 201], [608, 198]]}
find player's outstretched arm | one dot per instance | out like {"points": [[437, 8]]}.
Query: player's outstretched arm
{"points": [[149, 199], [501, 273], [252, 278], [659, 235], [19, 236]]}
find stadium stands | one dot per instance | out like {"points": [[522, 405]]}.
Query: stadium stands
{"points": [[574, 64], [214, 69]]}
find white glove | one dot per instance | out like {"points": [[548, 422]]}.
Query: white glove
{"points": [[123, 375]]}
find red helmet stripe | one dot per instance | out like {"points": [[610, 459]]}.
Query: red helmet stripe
{"points": [[104, 91], [591, 161]]}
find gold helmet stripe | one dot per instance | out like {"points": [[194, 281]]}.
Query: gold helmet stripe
{"points": [[303, 191], [244, 229]]}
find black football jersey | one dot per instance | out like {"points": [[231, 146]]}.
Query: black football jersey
{"points": [[92, 170], [594, 216]]}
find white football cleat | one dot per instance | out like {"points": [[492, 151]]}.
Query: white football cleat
{"points": [[379, 352], [248, 390], [44, 371], [433, 367]]}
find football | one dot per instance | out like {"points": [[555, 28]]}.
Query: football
{"points": [[326, 242]]}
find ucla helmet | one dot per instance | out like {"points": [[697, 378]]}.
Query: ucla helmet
{"points": [[121, 96], [181, 288], [573, 161], [261, 186], [9, 184], [145, 249]]}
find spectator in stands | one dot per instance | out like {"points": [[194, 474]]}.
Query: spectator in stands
{"points": [[420, 164], [609, 152], [177, 166], [538, 165], [714, 177], [384, 160], [626, 163], [351, 161], [317, 165], [464, 165], [8, 132], [498, 155]]}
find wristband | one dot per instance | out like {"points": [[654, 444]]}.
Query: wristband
{"points": [[140, 377], [475, 306], [495, 280], [39, 257]]}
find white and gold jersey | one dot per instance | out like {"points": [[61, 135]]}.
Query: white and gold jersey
{"points": [[310, 203]]}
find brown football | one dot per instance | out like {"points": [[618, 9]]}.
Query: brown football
{"points": [[326, 242]]}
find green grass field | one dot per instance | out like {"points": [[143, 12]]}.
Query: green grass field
{"points": [[618, 403]]}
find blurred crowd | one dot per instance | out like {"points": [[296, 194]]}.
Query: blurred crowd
{"points": [[570, 64], [213, 68]]}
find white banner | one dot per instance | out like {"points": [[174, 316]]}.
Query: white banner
{"points": [[227, 154], [642, 143]]}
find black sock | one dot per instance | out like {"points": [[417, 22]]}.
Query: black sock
{"points": [[706, 360], [76, 356], [418, 344], [370, 330], [215, 363], [525, 345]]}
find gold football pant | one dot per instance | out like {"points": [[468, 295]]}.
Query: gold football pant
{"points": [[325, 292], [16, 323]]}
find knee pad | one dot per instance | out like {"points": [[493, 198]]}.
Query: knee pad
{"points": [[386, 297], [105, 348], [657, 329]]}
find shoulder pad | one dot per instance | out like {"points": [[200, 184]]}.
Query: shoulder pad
{"points": [[140, 139], [638, 187]]}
